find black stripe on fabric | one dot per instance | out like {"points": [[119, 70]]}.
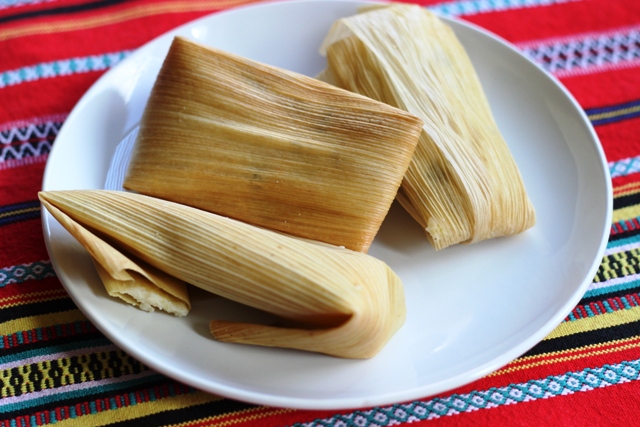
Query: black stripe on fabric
{"points": [[598, 336], [623, 235], [37, 308], [83, 7], [92, 394], [619, 264], [18, 212], [89, 339], [19, 206], [211, 409], [626, 201], [20, 216]]}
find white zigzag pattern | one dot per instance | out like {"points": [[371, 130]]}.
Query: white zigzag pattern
{"points": [[592, 50], [27, 148], [27, 133]]}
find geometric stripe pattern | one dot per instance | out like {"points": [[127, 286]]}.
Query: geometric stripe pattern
{"points": [[618, 265], [21, 273], [25, 132], [19, 212], [612, 286], [44, 298], [604, 306], [43, 336], [62, 67], [624, 226], [49, 374], [626, 189], [28, 140], [572, 55], [96, 406], [552, 386], [573, 352], [614, 113], [47, 333], [624, 167], [622, 245], [472, 7]]}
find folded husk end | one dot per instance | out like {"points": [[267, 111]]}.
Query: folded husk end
{"points": [[122, 275]]}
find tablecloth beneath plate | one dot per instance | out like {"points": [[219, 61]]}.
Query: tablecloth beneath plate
{"points": [[55, 367]]}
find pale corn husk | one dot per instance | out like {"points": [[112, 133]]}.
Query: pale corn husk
{"points": [[270, 147], [124, 276], [463, 184], [334, 300]]}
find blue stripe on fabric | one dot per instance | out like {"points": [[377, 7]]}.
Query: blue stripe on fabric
{"points": [[61, 348], [611, 289], [622, 242]]}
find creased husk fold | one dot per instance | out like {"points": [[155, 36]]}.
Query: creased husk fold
{"points": [[333, 300], [124, 276], [463, 184], [270, 147]]}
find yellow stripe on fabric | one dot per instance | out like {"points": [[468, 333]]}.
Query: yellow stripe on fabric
{"points": [[16, 300], [140, 410], [19, 212], [629, 212], [619, 265], [600, 321], [41, 321], [116, 17], [552, 360], [626, 189], [246, 416], [67, 371], [616, 113]]}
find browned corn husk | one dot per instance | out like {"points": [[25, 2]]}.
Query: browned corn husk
{"points": [[463, 184], [334, 300], [270, 147]]}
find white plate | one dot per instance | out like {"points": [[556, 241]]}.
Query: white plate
{"points": [[471, 309]]}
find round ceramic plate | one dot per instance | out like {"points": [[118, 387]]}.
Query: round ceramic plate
{"points": [[470, 309]]}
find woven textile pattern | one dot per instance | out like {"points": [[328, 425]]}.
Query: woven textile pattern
{"points": [[57, 368]]}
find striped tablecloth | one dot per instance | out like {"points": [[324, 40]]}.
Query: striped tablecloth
{"points": [[55, 367]]}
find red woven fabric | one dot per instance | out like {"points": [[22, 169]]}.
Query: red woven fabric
{"points": [[596, 363]]}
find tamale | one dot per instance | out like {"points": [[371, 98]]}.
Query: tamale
{"points": [[270, 147], [124, 276], [463, 184], [331, 300]]}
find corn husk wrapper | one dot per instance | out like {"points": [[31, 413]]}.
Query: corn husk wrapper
{"points": [[463, 184], [124, 276], [332, 300], [270, 147]]}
